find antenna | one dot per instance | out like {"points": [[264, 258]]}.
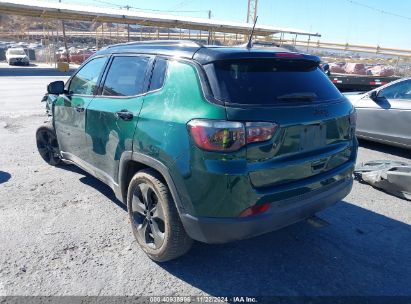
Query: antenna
{"points": [[250, 39]]}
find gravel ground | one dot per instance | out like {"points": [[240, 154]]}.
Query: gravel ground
{"points": [[62, 232]]}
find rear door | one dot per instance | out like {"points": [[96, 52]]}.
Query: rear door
{"points": [[112, 116], [314, 134], [388, 118], [69, 109]]}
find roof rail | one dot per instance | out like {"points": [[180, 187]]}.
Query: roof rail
{"points": [[160, 43]]}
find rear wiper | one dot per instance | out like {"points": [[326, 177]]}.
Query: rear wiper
{"points": [[298, 96]]}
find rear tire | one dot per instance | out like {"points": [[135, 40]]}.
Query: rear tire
{"points": [[154, 218], [47, 145]]}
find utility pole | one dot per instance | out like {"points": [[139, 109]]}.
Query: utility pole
{"points": [[252, 11], [128, 26], [210, 32], [64, 38]]}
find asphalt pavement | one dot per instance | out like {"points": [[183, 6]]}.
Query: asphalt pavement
{"points": [[62, 232]]}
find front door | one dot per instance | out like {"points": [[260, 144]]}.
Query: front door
{"points": [[70, 108]]}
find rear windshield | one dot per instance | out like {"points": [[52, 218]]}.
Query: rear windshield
{"points": [[269, 81]]}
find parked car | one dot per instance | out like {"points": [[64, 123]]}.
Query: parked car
{"points": [[75, 56], [205, 143], [384, 114], [17, 56]]}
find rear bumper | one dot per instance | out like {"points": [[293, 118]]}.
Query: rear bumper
{"points": [[286, 212]]}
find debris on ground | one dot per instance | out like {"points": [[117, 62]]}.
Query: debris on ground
{"points": [[392, 177]]}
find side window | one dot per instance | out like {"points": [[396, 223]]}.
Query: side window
{"points": [[401, 90], [126, 76], [159, 74], [85, 81]]}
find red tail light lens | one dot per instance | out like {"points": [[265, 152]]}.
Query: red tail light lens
{"points": [[259, 131], [217, 135], [228, 136], [255, 210]]}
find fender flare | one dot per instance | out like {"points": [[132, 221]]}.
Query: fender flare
{"points": [[129, 156]]}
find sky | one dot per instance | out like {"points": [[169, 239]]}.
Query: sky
{"points": [[369, 22]]}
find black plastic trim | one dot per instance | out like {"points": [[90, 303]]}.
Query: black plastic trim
{"points": [[223, 230]]}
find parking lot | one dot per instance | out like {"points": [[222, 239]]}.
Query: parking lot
{"points": [[62, 232]]}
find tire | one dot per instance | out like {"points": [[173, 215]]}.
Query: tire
{"points": [[47, 145], [154, 218]]}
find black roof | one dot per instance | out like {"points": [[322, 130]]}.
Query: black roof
{"points": [[192, 50]]}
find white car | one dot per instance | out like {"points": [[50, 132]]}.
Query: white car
{"points": [[17, 56], [384, 114]]}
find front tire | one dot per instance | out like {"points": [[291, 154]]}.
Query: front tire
{"points": [[47, 145], [154, 218]]}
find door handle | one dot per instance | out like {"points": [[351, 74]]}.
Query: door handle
{"points": [[318, 165], [79, 109], [125, 115]]}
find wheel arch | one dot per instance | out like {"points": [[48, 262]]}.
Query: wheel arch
{"points": [[132, 162]]}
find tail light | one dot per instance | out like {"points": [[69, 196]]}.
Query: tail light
{"points": [[255, 210], [228, 136], [353, 118], [259, 131]]}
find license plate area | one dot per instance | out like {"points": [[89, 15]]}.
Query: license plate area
{"points": [[313, 136]]}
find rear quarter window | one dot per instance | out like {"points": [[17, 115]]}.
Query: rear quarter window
{"points": [[159, 74], [270, 81]]}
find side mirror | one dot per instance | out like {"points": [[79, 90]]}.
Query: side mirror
{"points": [[55, 88], [374, 95]]}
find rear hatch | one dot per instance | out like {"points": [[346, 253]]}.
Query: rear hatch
{"points": [[314, 133]]}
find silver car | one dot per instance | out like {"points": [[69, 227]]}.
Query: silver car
{"points": [[384, 114]]}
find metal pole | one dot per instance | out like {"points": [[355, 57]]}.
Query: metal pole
{"points": [[210, 32], [128, 27], [102, 33], [54, 43], [111, 24], [96, 38], [248, 11], [118, 35], [396, 66], [65, 40]]}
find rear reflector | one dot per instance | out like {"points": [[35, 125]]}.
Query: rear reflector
{"points": [[255, 210]]}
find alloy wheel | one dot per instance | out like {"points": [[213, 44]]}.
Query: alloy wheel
{"points": [[48, 147], [148, 216]]}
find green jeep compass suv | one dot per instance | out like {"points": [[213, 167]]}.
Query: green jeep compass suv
{"points": [[204, 143]]}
